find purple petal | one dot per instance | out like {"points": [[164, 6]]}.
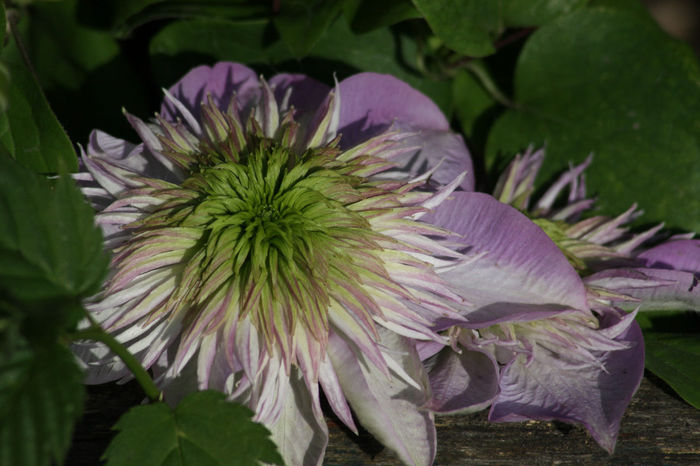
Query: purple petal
{"points": [[654, 289], [389, 408], [513, 260], [679, 255], [222, 81], [300, 436], [465, 382], [546, 389], [372, 103], [305, 94]]}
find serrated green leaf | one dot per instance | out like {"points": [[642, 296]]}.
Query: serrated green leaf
{"points": [[301, 23], [40, 400], [204, 429], [29, 129], [367, 15], [627, 93], [49, 245], [479, 24]]}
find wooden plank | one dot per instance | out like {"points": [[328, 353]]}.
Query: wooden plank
{"points": [[658, 428]]}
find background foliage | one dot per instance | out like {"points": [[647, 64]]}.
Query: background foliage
{"points": [[579, 76]]}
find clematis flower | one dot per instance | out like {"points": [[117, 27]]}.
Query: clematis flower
{"points": [[622, 272], [532, 347], [265, 244]]}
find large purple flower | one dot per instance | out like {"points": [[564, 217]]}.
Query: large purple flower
{"points": [[532, 347], [265, 244]]}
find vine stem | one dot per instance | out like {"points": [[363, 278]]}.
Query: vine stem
{"points": [[95, 332]]}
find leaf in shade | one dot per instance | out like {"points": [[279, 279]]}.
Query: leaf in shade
{"points": [[537, 12], [41, 397], [29, 130], [367, 15], [479, 24], [301, 23], [629, 94], [49, 245], [672, 349], [204, 429]]}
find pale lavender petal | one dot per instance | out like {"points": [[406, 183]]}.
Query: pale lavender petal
{"points": [[654, 289], [300, 436], [222, 81], [388, 407], [545, 389], [513, 260], [99, 364], [679, 254], [465, 382]]}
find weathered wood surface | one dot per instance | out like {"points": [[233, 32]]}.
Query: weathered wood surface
{"points": [[658, 428]]}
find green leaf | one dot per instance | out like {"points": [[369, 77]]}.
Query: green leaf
{"points": [[301, 23], [473, 34], [672, 344], [29, 130], [471, 101], [536, 12], [368, 15], [49, 245], [627, 93], [41, 397], [204, 429]]}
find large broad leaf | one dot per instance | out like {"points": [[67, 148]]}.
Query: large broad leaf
{"points": [[41, 397], [204, 429], [672, 347], [628, 94], [29, 131], [481, 22], [49, 245], [367, 15]]}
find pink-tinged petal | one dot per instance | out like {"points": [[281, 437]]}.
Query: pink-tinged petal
{"points": [[98, 363], [222, 81], [545, 389], [299, 91], [513, 260], [653, 289], [300, 436], [465, 382], [679, 255], [334, 394], [389, 408]]}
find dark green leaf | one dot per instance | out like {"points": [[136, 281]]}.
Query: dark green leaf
{"points": [[204, 429], [672, 345], [367, 15], [235, 10], [473, 34], [41, 397], [470, 101], [301, 23], [49, 245], [627, 93], [28, 129], [536, 12]]}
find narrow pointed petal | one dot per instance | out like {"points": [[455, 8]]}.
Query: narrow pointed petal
{"points": [[388, 408], [515, 260]]}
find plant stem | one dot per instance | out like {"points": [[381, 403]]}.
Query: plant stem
{"points": [[96, 333], [479, 71]]}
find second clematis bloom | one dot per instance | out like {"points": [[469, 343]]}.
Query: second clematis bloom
{"points": [[532, 347], [265, 244]]}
